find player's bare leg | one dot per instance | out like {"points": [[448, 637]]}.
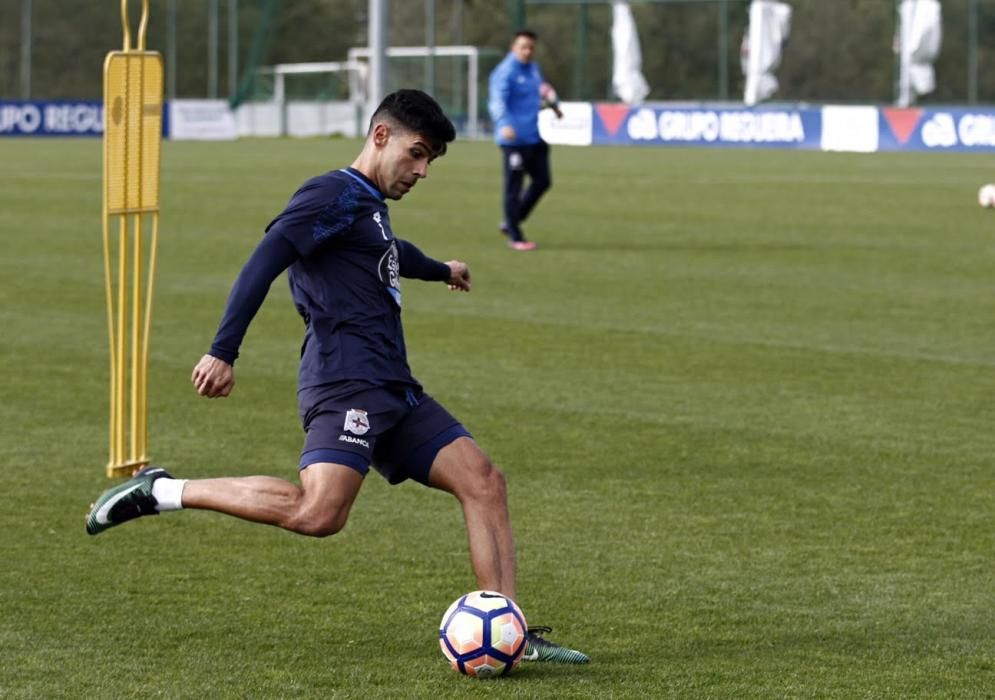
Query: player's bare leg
{"points": [[462, 469], [318, 507], [465, 471]]}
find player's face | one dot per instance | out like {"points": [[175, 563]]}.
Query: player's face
{"points": [[406, 158], [523, 47]]}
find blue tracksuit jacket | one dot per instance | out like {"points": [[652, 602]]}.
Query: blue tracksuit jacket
{"points": [[514, 100]]}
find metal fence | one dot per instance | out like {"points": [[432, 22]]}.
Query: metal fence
{"points": [[839, 51]]}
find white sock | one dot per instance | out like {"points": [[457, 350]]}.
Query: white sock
{"points": [[168, 493]]}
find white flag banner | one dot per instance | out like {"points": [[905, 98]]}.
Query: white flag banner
{"points": [[770, 25], [920, 34], [628, 82]]}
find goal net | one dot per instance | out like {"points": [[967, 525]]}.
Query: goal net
{"points": [[315, 99], [456, 76], [303, 99]]}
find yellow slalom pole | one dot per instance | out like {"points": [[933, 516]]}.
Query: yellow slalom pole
{"points": [[122, 334], [125, 26], [136, 310], [143, 24], [109, 289], [146, 335], [133, 80]]}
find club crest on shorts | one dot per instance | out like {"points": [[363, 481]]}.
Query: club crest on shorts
{"points": [[356, 421]]}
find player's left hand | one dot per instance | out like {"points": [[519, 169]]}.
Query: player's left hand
{"points": [[557, 111], [459, 278]]}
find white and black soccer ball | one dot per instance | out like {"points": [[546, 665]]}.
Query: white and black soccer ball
{"points": [[483, 634]]}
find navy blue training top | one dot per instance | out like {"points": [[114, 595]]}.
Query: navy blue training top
{"points": [[344, 269]]}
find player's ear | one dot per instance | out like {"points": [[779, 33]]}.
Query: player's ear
{"points": [[381, 135]]}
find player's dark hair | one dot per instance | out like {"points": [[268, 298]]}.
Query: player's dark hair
{"points": [[526, 33], [417, 112]]}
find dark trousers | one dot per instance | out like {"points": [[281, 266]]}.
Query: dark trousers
{"points": [[519, 161]]}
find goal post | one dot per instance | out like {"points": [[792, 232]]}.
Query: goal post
{"points": [[354, 72], [323, 98], [462, 93]]}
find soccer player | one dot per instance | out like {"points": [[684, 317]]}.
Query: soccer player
{"points": [[359, 403], [517, 92]]}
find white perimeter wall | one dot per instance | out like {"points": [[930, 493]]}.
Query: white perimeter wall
{"points": [[212, 120], [303, 119]]}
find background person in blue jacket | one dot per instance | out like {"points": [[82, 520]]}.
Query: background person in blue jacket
{"points": [[517, 93]]}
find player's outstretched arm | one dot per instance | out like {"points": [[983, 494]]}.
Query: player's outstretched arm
{"points": [[414, 264], [213, 378], [459, 276]]}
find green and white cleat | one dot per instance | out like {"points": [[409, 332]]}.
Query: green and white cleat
{"points": [[126, 501], [537, 648]]}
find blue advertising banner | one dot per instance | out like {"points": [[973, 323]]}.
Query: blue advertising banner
{"points": [[937, 129], [80, 118], [704, 125]]}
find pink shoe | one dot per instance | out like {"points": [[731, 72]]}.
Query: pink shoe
{"points": [[522, 245]]}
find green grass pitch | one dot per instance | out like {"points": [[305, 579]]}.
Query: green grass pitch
{"points": [[744, 401]]}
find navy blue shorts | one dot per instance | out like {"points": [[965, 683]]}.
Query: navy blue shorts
{"points": [[397, 430]]}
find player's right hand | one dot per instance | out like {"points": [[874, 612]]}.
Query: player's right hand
{"points": [[508, 133], [213, 378]]}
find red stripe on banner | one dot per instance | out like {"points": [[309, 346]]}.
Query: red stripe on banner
{"points": [[612, 116], [902, 122]]}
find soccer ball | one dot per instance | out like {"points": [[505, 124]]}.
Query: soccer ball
{"points": [[483, 634], [986, 196]]}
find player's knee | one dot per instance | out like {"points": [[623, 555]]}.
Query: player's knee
{"points": [[324, 523], [320, 528], [486, 482]]}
